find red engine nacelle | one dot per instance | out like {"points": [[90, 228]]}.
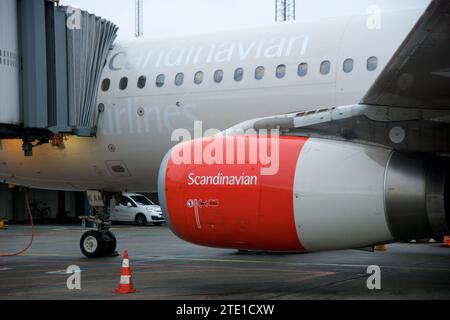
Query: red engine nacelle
{"points": [[320, 195]]}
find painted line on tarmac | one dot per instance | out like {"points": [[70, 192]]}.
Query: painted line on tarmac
{"points": [[5, 269], [293, 263], [45, 254], [161, 258]]}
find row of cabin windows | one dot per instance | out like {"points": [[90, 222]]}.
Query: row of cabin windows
{"points": [[9, 58], [280, 72]]}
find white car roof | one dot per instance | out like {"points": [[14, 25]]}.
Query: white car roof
{"points": [[132, 194]]}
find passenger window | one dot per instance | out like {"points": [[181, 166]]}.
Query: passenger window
{"points": [[105, 84], [348, 65], [281, 71], [198, 77], [372, 63], [179, 78], [218, 76], [123, 83], [325, 67], [302, 69], [259, 73], [238, 74], [141, 82], [160, 80]]}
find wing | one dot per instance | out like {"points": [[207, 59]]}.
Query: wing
{"points": [[418, 75], [408, 106]]}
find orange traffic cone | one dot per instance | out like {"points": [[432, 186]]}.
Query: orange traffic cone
{"points": [[447, 241], [125, 284]]}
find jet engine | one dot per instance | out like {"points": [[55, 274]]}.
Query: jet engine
{"points": [[321, 195]]}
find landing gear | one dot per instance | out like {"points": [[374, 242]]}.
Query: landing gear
{"points": [[92, 244], [100, 242], [110, 243], [96, 244]]}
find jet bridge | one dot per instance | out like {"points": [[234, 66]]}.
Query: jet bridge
{"points": [[51, 59]]}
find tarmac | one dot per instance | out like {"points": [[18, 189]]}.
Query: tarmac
{"points": [[166, 267]]}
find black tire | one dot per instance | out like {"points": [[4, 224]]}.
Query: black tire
{"points": [[92, 244], [157, 223], [110, 243], [140, 219], [438, 239]]}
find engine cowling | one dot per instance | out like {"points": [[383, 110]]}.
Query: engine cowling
{"points": [[325, 195]]}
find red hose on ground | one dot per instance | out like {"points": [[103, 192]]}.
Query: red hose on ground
{"points": [[30, 216]]}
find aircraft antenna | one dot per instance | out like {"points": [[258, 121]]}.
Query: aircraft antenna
{"points": [[284, 10], [139, 12]]}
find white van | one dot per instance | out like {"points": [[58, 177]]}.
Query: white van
{"points": [[137, 208]]}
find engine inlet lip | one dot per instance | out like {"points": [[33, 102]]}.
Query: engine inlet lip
{"points": [[162, 197]]}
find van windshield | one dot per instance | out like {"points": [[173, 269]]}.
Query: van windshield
{"points": [[142, 200]]}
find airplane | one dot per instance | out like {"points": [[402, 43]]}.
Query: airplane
{"points": [[363, 115]]}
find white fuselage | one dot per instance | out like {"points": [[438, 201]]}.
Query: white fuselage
{"points": [[134, 131]]}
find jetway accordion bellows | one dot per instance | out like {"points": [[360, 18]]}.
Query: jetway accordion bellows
{"points": [[63, 52], [87, 48]]}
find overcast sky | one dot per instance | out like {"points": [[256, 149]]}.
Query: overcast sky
{"points": [[168, 17]]}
